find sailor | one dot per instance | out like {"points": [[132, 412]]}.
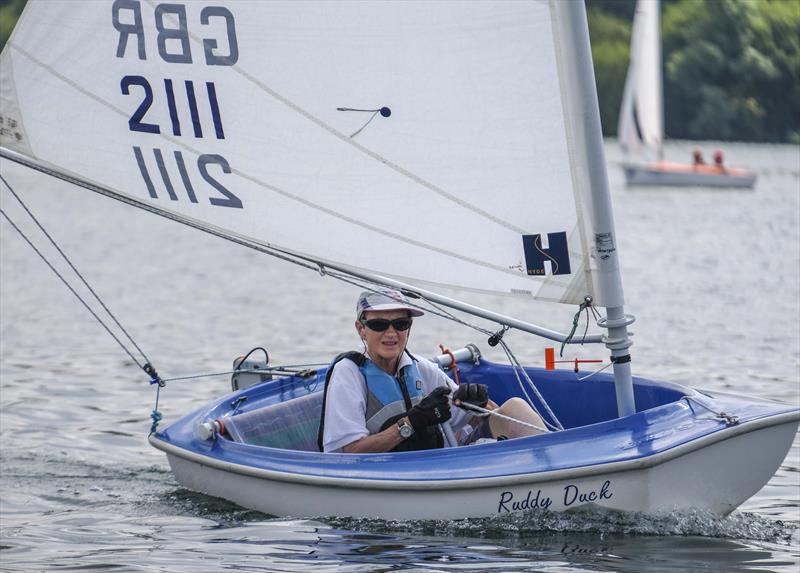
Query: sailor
{"points": [[718, 160], [384, 399]]}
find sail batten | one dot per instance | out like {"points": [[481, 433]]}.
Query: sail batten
{"points": [[211, 111]]}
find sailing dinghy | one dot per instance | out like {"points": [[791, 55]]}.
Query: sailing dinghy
{"points": [[417, 146], [641, 117]]}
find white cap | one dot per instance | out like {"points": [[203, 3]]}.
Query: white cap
{"points": [[384, 299]]}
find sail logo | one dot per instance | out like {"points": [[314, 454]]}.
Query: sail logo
{"points": [[556, 253]]}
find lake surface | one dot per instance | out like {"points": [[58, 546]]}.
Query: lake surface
{"points": [[712, 276]]}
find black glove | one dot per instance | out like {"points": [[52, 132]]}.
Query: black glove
{"points": [[432, 409], [477, 394]]}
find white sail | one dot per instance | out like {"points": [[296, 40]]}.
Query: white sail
{"points": [[231, 113], [641, 118]]}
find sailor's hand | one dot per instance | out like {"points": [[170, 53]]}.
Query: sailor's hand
{"points": [[477, 394], [432, 409]]}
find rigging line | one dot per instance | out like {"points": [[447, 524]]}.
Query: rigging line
{"points": [[74, 269], [282, 192], [586, 330], [583, 306], [485, 411], [278, 370], [358, 109], [598, 371], [365, 150], [69, 286], [544, 403], [515, 364], [251, 243], [436, 311], [254, 244], [360, 129], [524, 391], [444, 313], [304, 261], [155, 415]]}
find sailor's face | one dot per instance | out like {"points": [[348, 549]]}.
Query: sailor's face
{"points": [[384, 348]]}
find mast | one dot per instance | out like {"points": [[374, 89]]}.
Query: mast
{"points": [[589, 172]]}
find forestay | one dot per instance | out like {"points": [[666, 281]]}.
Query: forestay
{"points": [[641, 118], [229, 113]]}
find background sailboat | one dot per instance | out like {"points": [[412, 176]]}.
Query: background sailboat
{"points": [[641, 119]]}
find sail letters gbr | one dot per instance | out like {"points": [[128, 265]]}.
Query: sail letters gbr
{"points": [[193, 106]]}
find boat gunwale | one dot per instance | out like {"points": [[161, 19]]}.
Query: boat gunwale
{"points": [[645, 462]]}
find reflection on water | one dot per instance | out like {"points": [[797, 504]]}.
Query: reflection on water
{"points": [[712, 277]]}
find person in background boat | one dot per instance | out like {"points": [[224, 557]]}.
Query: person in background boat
{"points": [[697, 157], [385, 399], [718, 160]]}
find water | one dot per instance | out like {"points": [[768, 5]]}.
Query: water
{"points": [[712, 276]]}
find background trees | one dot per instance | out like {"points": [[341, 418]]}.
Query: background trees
{"points": [[9, 12], [731, 67]]}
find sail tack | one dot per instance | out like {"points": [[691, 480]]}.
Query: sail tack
{"points": [[425, 141]]}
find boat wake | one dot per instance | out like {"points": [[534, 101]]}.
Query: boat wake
{"points": [[738, 525]]}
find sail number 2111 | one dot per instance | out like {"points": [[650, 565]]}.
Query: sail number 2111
{"points": [[138, 122]]}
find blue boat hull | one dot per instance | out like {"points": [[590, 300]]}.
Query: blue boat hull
{"points": [[674, 453]]}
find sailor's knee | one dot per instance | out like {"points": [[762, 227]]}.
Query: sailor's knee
{"points": [[515, 405]]}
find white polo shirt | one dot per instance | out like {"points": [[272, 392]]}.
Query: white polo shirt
{"points": [[346, 402]]}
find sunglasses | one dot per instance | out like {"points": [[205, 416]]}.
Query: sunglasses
{"points": [[382, 324]]}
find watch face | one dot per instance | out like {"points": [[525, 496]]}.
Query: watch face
{"points": [[406, 431]]}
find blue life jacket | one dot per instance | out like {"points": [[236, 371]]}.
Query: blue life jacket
{"points": [[388, 399]]}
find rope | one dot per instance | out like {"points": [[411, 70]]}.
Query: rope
{"points": [[272, 370], [485, 412], [729, 419], [360, 129], [598, 371], [73, 291], [75, 270], [454, 366], [517, 368], [155, 415], [147, 367], [583, 306]]}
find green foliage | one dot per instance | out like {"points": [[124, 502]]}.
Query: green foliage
{"points": [[9, 12], [731, 67], [611, 37]]}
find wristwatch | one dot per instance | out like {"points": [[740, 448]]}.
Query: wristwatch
{"points": [[406, 429]]}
